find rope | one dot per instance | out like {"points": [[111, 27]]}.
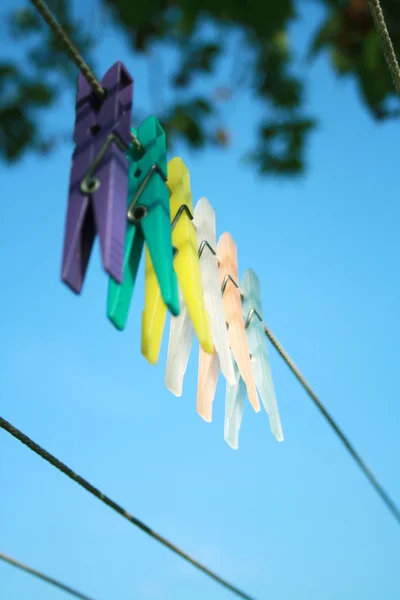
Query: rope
{"points": [[370, 476], [388, 49], [76, 57], [16, 433], [44, 577], [69, 46]]}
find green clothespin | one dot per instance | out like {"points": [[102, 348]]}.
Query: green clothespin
{"points": [[148, 221]]}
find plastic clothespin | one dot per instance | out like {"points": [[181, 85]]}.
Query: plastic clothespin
{"points": [[148, 221], [231, 299], [181, 331], [257, 343], [208, 367], [193, 316], [235, 397], [99, 177]]}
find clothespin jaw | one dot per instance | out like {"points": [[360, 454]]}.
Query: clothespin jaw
{"points": [[180, 342], [210, 364], [99, 177], [257, 343], [209, 368], [228, 271], [235, 397], [147, 221], [153, 315]]}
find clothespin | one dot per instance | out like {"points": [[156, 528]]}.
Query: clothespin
{"points": [[210, 365], [257, 343], [148, 221], [235, 397], [193, 316], [181, 330], [99, 177], [208, 368]]}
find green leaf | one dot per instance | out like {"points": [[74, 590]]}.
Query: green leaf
{"points": [[281, 41], [372, 51], [341, 63], [24, 21], [38, 94], [326, 35], [17, 132], [281, 147], [202, 105], [8, 71], [198, 58]]}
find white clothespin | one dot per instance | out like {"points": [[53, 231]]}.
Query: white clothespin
{"points": [[210, 365], [181, 329]]}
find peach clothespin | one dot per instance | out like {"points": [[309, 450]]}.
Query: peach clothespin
{"points": [[208, 364]]}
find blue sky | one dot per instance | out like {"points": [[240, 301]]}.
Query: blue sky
{"points": [[283, 521]]}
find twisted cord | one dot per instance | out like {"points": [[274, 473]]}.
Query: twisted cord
{"points": [[76, 57], [350, 448], [16, 433], [43, 577], [387, 46]]}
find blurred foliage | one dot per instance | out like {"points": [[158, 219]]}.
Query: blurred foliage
{"points": [[349, 35], [262, 65]]}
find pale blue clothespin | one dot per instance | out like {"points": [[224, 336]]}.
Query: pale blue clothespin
{"points": [[257, 343], [234, 407]]}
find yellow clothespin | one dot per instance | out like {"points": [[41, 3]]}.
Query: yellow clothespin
{"points": [[187, 268]]}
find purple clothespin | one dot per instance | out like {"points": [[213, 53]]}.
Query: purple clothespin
{"points": [[99, 177]]}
